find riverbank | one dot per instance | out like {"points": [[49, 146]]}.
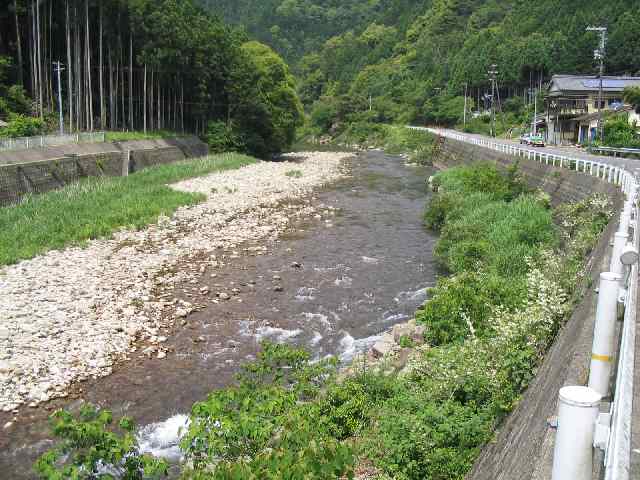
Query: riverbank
{"points": [[432, 411], [73, 314], [330, 283]]}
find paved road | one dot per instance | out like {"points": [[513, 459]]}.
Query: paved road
{"points": [[631, 164]]}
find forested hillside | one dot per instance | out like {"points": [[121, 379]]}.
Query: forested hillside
{"points": [[409, 60], [142, 65]]}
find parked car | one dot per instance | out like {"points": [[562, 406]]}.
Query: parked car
{"points": [[536, 140], [524, 139]]}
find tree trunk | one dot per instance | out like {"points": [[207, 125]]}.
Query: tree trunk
{"points": [[103, 119], [111, 92], [32, 56], [18, 44], [89, 83], [151, 116], [79, 82], [39, 60], [159, 95], [49, 50], [130, 77], [69, 68], [144, 101]]}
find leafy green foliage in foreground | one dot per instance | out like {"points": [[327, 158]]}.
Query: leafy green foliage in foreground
{"points": [[93, 446], [289, 417], [96, 207]]}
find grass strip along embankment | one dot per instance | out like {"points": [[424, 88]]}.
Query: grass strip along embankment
{"points": [[514, 265], [96, 207]]}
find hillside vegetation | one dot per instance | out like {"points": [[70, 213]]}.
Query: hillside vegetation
{"points": [[409, 60], [143, 65]]}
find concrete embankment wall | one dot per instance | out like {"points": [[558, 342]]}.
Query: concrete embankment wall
{"points": [[562, 184], [523, 446], [42, 170]]}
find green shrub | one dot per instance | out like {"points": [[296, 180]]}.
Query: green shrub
{"points": [[482, 177], [23, 126], [221, 137], [460, 306], [418, 438], [346, 408], [497, 235]]}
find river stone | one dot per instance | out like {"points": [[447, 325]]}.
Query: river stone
{"points": [[380, 349], [418, 334], [401, 330], [119, 278], [5, 367]]}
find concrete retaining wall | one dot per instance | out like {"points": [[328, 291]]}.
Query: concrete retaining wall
{"points": [[523, 446], [42, 170], [562, 184]]}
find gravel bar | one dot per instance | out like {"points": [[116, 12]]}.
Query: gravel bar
{"points": [[70, 315]]}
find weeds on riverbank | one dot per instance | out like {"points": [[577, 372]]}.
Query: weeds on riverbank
{"points": [[489, 327], [393, 139], [96, 207], [116, 136]]}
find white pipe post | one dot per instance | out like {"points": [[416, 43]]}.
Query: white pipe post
{"points": [[625, 221], [619, 241], [604, 333], [573, 451]]}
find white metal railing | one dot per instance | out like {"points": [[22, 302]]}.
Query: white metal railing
{"points": [[611, 431], [24, 143]]}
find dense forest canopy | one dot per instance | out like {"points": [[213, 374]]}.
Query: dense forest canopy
{"points": [[407, 60], [141, 65]]}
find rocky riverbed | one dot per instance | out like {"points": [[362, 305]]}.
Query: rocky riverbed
{"points": [[71, 315]]}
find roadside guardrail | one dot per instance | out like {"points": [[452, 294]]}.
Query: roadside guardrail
{"points": [[581, 425], [616, 152]]}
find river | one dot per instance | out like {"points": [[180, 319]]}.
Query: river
{"points": [[330, 285]]}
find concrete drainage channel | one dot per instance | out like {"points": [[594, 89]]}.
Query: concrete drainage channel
{"points": [[592, 417]]}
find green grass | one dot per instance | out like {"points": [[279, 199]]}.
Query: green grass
{"points": [[294, 174], [96, 207], [125, 136]]}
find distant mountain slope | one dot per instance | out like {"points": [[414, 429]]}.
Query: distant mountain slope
{"points": [[404, 53]]}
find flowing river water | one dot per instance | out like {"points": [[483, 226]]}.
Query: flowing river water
{"points": [[330, 285]]}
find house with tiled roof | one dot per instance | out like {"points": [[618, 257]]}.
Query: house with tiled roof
{"points": [[572, 106]]}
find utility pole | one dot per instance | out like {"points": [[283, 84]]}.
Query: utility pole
{"points": [[464, 114], [370, 103], [493, 75], [58, 68], [599, 55], [534, 124]]}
